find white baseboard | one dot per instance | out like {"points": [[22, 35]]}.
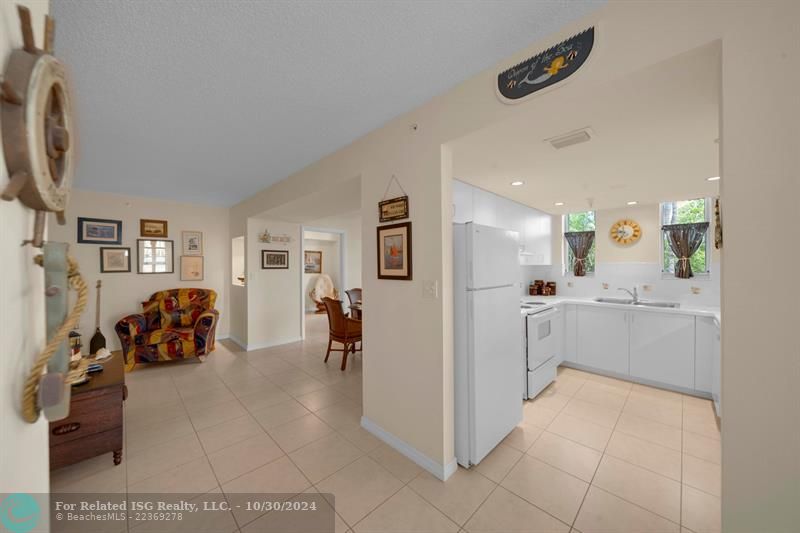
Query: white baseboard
{"points": [[262, 345], [437, 469]]}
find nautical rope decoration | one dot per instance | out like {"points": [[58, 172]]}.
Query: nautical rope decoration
{"points": [[30, 408]]}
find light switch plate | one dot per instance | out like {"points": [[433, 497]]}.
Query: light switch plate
{"points": [[430, 289]]}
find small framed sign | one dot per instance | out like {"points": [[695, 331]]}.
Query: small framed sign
{"points": [[274, 259], [393, 209]]}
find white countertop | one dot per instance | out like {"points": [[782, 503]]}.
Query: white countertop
{"points": [[712, 312]]}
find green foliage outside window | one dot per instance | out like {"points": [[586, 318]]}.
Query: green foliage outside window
{"points": [[583, 221], [685, 212]]}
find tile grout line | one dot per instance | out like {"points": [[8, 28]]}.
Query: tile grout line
{"points": [[602, 455]]}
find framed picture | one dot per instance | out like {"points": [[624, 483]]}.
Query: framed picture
{"points": [[155, 256], [313, 263], [394, 251], [191, 268], [115, 260], [393, 209], [192, 242], [152, 228], [99, 231], [274, 259]]}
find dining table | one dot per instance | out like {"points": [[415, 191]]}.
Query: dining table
{"points": [[355, 310]]}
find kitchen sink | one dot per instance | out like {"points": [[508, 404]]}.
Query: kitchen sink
{"points": [[643, 303], [626, 301], [669, 305]]}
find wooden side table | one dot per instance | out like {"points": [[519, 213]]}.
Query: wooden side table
{"points": [[94, 425]]}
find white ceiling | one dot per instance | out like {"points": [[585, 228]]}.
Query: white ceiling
{"points": [[654, 140], [212, 101]]}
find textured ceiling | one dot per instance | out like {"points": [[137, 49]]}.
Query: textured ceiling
{"points": [[212, 101]]}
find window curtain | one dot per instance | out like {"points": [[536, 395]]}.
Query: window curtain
{"points": [[580, 242], [684, 240]]}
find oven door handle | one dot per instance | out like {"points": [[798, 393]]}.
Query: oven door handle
{"points": [[545, 314]]}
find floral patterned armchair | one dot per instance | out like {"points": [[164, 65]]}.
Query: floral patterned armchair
{"points": [[174, 324]]}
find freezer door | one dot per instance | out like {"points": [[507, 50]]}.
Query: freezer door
{"points": [[493, 254], [494, 368]]}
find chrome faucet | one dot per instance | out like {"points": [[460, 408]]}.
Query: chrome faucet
{"points": [[634, 294]]}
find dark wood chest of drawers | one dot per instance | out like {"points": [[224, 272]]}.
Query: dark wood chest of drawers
{"points": [[94, 425]]}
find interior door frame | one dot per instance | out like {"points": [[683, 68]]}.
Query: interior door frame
{"points": [[342, 270]]}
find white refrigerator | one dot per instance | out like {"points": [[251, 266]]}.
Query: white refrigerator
{"points": [[488, 363]]}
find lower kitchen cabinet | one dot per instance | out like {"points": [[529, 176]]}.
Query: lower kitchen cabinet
{"points": [[570, 352], [705, 337], [662, 348], [602, 338]]}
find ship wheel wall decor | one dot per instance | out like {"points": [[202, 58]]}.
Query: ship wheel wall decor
{"points": [[37, 127], [626, 232]]}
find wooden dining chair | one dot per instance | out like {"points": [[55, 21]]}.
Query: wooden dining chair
{"points": [[354, 295], [342, 329]]}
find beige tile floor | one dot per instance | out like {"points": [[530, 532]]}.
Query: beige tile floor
{"points": [[593, 454]]}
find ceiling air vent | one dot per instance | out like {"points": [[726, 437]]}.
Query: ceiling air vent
{"points": [[568, 139]]}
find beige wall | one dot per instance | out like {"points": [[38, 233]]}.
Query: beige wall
{"points": [[123, 292], [761, 353], [274, 302], [411, 335], [24, 463]]}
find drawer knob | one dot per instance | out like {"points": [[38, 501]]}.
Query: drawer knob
{"points": [[67, 428]]}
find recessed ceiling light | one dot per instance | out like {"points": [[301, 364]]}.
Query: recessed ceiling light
{"points": [[713, 178], [634, 202], [559, 203], [517, 183]]}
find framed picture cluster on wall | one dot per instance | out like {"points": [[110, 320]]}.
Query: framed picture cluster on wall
{"points": [[155, 253]]}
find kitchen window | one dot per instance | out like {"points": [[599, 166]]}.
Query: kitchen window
{"points": [[582, 221], [686, 212]]}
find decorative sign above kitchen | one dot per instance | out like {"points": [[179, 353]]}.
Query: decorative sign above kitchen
{"points": [[393, 208], [547, 68]]}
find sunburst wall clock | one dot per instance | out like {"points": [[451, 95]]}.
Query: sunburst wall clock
{"points": [[626, 232]]}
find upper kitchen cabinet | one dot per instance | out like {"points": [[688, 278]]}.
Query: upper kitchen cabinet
{"points": [[462, 202], [484, 207], [472, 204], [536, 239]]}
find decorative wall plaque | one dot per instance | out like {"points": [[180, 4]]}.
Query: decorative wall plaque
{"points": [[393, 209], [547, 68]]}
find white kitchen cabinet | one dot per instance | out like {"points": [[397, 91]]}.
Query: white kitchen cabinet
{"points": [[536, 238], [662, 348], [705, 336], [570, 352], [472, 204], [602, 338], [462, 202], [483, 207], [716, 372]]}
